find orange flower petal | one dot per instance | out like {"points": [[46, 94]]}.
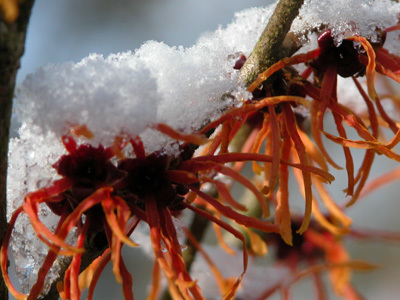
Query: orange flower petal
{"points": [[194, 166], [292, 129], [225, 194], [282, 212], [224, 285], [235, 233], [248, 108], [370, 70], [97, 266], [276, 150], [220, 238], [316, 133], [258, 246], [296, 59], [4, 256], [109, 207], [194, 138], [238, 218], [155, 283]]}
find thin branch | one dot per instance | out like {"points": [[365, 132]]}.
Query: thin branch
{"points": [[275, 42], [12, 45]]}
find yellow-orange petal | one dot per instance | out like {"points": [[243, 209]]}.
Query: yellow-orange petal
{"points": [[370, 70], [194, 138], [257, 244]]}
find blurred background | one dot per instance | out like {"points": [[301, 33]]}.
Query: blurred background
{"points": [[68, 30]]}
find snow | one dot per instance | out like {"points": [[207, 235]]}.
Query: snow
{"points": [[129, 92], [122, 93], [347, 17]]}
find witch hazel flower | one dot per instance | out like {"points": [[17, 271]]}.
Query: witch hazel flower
{"points": [[315, 252], [290, 105], [108, 143], [124, 93], [94, 195], [96, 180]]}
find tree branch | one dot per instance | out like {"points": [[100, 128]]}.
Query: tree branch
{"points": [[274, 43], [12, 45]]}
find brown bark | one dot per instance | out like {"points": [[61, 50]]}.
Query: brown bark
{"points": [[275, 42], [12, 44]]}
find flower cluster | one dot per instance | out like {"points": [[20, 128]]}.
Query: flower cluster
{"points": [[98, 194], [277, 126], [280, 129]]}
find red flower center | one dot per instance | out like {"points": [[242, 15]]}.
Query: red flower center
{"points": [[344, 56]]}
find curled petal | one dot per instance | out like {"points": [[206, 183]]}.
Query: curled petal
{"points": [[226, 195], [138, 147], [127, 281], [238, 218], [224, 284], [316, 133], [193, 165], [347, 154], [82, 130], [72, 289], [257, 244], [54, 241], [70, 222], [276, 150], [90, 276], [196, 139], [38, 286], [370, 70], [248, 108], [248, 184], [258, 141], [117, 225], [30, 206], [162, 231], [282, 212], [233, 231], [4, 257], [333, 209], [155, 283], [47, 264], [380, 181], [218, 233], [296, 59], [313, 151], [97, 197], [358, 144], [363, 174], [301, 151]]}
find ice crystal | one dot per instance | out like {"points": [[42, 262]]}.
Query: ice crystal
{"points": [[347, 17]]}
